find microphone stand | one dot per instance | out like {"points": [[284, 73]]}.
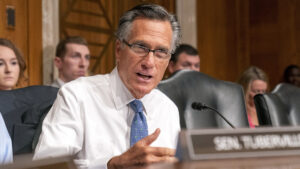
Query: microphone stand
{"points": [[201, 106]]}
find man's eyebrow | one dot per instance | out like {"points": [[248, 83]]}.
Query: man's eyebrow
{"points": [[75, 52], [141, 42], [163, 47], [187, 62]]}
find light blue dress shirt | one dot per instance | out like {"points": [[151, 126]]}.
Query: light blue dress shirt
{"points": [[6, 155]]}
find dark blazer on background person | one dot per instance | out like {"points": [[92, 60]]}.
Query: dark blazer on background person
{"points": [[23, 110]]}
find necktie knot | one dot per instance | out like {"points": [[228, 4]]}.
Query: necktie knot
{"points": [[137, 106]]}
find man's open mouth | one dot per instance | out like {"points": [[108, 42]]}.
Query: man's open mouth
{"points": [[144, 76]]}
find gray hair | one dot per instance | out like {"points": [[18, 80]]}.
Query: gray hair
{"points": [[149, 11]]}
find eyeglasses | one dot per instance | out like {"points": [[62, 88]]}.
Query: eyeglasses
{"points": [[144, 51]]}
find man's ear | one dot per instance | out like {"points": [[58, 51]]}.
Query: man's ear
{"points": [[58, 62], [118, 49], [171, 67]]}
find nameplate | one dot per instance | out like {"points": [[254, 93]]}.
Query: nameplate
{"points": [[206, 144]]}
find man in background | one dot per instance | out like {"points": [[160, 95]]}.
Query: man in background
{"points": [[291, 75], [184, 57], [72, 60]]}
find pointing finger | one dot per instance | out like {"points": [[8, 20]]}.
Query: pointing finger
{"points": [[149, 139]]}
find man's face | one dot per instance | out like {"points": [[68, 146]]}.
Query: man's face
{"points": [[75, 63], [294, 77], [141, 74], [185, 61]]}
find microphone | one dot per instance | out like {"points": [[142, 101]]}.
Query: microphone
{"points": [[201, 106]]}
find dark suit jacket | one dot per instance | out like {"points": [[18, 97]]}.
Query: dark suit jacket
{"points": [[22, 110]]}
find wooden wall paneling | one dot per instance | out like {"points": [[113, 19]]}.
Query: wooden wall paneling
{"points": [[26, 35], [91, 20], [242, 36], [2, 18], [235, 34], [35, 56], [287, 19], [297, 28], [96, 20], [265, 36], [18, 35], [273, 25], [217, 38]]}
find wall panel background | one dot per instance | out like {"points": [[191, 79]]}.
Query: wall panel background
{"points": [[231, 34], [26, 35], [235, 34], [97, 21]]}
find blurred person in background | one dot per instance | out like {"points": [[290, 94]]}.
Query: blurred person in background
{"points": [[184, 57], [291, 75], [12, 65], [6, 154], [72, 60], [254, 81]]}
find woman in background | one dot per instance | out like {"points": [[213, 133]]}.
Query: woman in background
{"points": [[254, 81], [12, 65], [12, 68]]}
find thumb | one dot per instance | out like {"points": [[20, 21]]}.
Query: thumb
{"points": [[146, 141]]}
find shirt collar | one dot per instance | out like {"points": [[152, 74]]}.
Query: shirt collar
{"points": [[120, 93], [146, 100], [60, 82], [122, 96]]}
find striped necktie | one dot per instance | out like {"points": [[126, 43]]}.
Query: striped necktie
{"points": [[139, 127]]}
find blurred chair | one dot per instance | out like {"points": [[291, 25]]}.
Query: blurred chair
{"points": [[185, 87], [23, 110], [281, 107]]}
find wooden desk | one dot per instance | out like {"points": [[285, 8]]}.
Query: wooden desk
{"points": [[290, 162], [287, 162], [25, 162]]}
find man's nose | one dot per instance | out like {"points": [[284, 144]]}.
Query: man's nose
{"points": [[84, 62], [148, 60]]}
